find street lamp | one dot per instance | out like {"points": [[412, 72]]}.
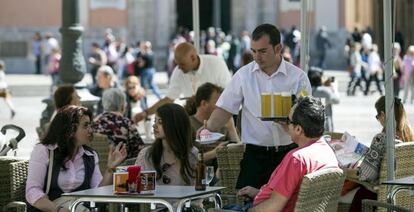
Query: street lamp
{"points": [[72, 67], [72, 64]]}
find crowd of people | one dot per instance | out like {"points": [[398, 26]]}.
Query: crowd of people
{"points": [[46, 54], [365, 65], [286, 150]]}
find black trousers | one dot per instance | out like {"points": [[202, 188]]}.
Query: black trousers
{"points": [[258, 164]]}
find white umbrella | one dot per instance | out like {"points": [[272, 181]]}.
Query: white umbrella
{"points": [[196, 25], [389, 88], [389, 63]]}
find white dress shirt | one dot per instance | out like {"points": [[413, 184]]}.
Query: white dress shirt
{"points": [[245, 89], [211, 69]]}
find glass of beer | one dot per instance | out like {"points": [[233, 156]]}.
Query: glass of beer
{"points": [[266, 104], [287, 103], [277, 105]]}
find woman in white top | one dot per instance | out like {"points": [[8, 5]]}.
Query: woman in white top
{"points": [[374, 69], [4, 91]]}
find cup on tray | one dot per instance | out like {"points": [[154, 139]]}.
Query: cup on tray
{"points": [[134, 179], [275, 106]]}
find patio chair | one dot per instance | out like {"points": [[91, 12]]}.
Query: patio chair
{"points": [[5, 174], [100, 144], [404, 167], [319, 191], [12, 183], [369, 205], [228, 160], [18, 178]]}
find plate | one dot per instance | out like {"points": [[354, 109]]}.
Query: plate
{"points": [[274, 118], [214, 137]]}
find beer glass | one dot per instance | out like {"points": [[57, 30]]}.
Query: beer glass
{"points": [[266, 104], [277, 105], [287, 103]]}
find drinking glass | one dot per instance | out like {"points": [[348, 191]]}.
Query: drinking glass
{"points": [[266, 104], [209, 174]]}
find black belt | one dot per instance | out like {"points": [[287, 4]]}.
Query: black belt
{"points": [[256, 148]]}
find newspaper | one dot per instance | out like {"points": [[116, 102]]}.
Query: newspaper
{"points": [[348, 150]]}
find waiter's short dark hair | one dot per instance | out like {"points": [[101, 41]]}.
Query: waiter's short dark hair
{"points": [[309, 113], [269, 30]]}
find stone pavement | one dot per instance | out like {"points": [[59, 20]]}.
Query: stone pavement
{"points": [[354, 114]]}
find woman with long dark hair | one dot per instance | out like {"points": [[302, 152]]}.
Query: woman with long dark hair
{"points": [[74, 165], [369, 169], [172, 154]]}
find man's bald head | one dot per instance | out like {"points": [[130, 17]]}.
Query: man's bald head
{"points": [[186, 57]]}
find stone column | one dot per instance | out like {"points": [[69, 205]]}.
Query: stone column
{"points": [[72, 64]]}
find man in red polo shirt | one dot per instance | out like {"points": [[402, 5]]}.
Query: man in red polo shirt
{"points": [[306, 127]]}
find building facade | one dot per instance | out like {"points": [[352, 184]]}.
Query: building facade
{"points": [[157, 21]]}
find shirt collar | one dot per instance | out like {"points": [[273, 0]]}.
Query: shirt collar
{"points": [[280, 69], [78, 155]]}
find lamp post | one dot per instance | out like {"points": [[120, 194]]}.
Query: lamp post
{"points": [[72, 66]]}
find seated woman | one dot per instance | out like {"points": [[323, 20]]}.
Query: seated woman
{"points": [[199, 107], [74, 166], [134, 93], [369, 169], [113, 124], [172, 154], [65, 95]]}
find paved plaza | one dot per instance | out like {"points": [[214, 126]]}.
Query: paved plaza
{"points": [[355, 114]]}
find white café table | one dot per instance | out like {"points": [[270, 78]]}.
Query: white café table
{"points": [[181, 194]]}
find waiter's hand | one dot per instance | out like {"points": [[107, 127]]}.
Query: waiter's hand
{"points": [[284, 125]]}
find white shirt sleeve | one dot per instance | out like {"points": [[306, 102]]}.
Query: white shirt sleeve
{"points": [[304, 85], [232, 96], [175, 89], [225, 76]]}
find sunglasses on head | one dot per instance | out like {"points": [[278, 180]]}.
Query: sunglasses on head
{"points": [[289, 121], [165, 178]]}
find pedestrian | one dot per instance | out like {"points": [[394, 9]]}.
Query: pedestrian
{"points": [[53, 67], [408, 74], [322, 45], [37, 52], [4, 90], [145, 65], [374, 69], [97, 58], [356, 65], [398, 64]]}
